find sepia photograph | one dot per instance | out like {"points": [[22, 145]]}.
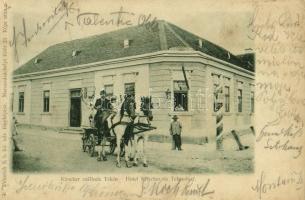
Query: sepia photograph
{"points": [[151, 96], [153, 100]]}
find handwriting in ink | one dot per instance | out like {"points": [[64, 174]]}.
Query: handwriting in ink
{"points": [[62, 10], [178, 188], [263, 186], [116, 18]]}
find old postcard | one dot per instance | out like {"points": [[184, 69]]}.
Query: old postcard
{"points": [[155, 100]]}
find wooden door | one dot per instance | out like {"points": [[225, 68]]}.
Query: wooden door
{"points": [[75, 108]]}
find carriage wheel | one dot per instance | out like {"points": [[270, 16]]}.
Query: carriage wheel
{"points": [[92, 151], [112, 146], [84, 144], [91, 145], [84, 148]]}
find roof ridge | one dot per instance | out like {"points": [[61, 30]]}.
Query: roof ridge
{"points": [[199, 37], [162, 35], [210, 48], [96, 35], [145, 38], [177, 35], [106, 33], [82, 39]]}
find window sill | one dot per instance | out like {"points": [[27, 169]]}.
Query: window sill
{"points": [[243, 114], [20, 113], [181, 113], [45, 113], [224, 113], [230, 113], [227, 113]]}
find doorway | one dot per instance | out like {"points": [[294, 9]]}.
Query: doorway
{"points": [[75, 108]]}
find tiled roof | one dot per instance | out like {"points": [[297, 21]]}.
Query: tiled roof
{"points": [[248, 60], [142, 39]]}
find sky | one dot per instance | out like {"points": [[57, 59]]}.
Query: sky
{"points": [[224, 24]]}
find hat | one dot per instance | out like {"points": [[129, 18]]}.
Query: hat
{"points": [[175, 117], [113, 98], [102, 92], [129, 94]]}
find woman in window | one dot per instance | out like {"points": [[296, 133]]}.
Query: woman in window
{"points": [[179, 108]]}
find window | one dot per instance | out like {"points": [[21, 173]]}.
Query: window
{"points": [[180, 96], [216, 83], [240, 100], [21, 102], [75, 93], [109, 90], [130, 89], [46, 100], [252, 101], [215, 98], [227, 99]]}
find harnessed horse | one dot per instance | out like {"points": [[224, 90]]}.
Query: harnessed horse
{"points": [[118, 129], [123, 128], [140, 137]]}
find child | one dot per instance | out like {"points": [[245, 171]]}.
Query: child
{"points": [[175, 131], [114, 111]]}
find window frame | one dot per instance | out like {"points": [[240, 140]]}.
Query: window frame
{"points": [[227, 99], [252, 102], [109, 85], [21, 106], [46, 109], [216, 79], [185, 91], [215, 98], [130, 83], [239, 100]]}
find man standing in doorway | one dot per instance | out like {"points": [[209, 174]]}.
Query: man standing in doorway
{"points": [[175, 131]]}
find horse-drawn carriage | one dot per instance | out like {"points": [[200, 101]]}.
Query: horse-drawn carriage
{"points": [[90, 141], [127, 130]]}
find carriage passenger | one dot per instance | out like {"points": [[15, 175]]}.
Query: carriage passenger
{"points": [[113, 112], [103, 107]]}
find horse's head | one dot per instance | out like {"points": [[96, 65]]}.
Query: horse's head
{"points": [[129, 105], [146, 106]]}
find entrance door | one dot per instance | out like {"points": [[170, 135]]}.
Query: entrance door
{"points": [[75, 108]]}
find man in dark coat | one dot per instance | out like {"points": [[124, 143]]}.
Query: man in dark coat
{"points": [[103, 106]]}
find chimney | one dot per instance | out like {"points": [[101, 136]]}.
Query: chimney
{"points": [[75, 53], [126, 43], [200, 43], [37, 60], [248, 50]]}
